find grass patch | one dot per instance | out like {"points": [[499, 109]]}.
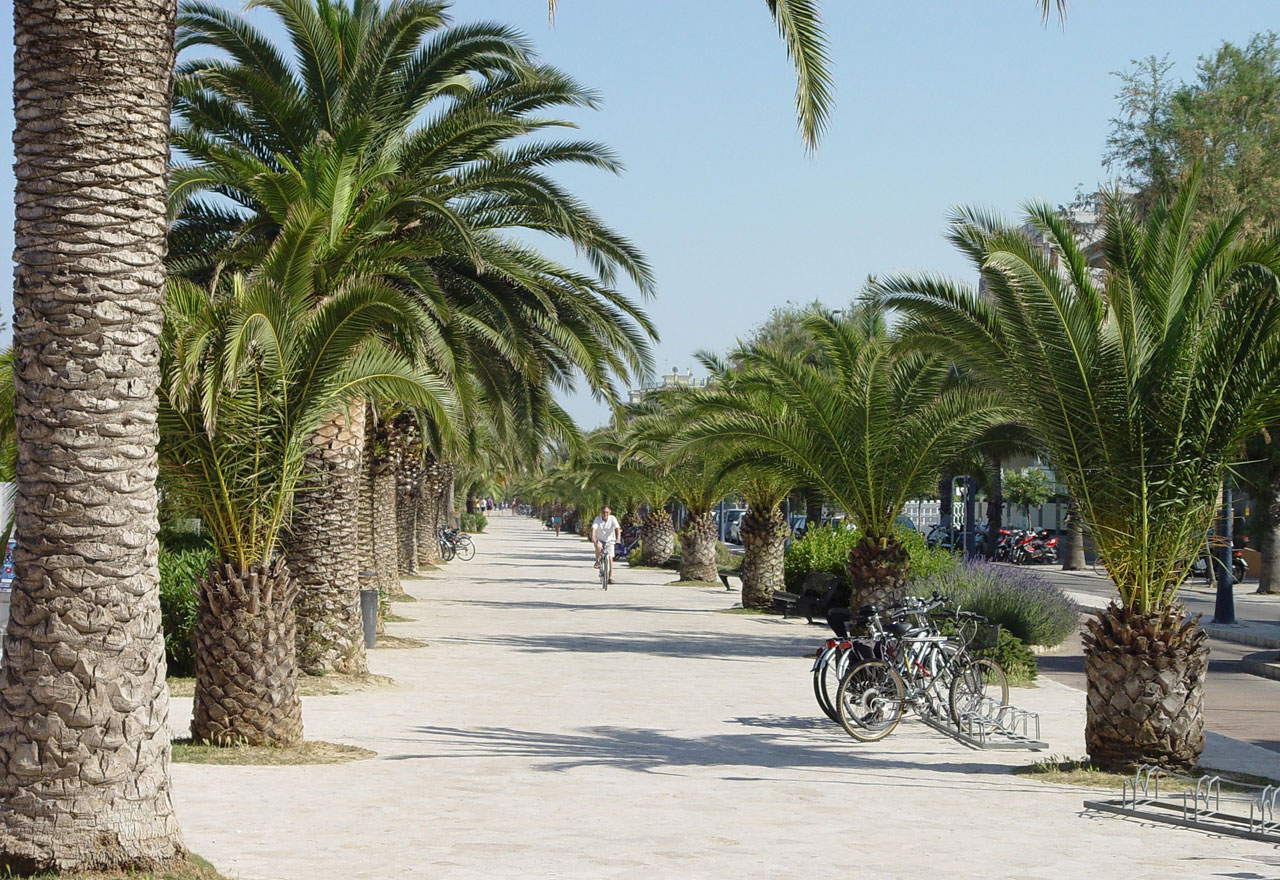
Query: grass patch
{"points": [[331, 685], [737, 609], [401, 596], [386, 641], [195, 868], [398, 618], [696, 584], [1082, 773], [311, 752]]}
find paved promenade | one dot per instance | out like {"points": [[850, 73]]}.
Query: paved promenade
{"points": [[550, 729]]}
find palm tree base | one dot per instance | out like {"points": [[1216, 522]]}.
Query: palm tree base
{"points": [[1145, 684], [246, 665], [698, 550], [764, 542], [657, 538], [877, 574]]}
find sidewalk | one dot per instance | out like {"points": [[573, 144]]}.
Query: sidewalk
{"points": [[551, 729]]}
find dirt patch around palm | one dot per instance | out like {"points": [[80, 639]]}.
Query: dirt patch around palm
{"points": [[195, 868], [311, 752], [332, 685], [385, 641]]}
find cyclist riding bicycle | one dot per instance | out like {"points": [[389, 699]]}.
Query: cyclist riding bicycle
{"points": [[605, 530]]}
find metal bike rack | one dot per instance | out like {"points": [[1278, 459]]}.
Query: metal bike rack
{"points": [[1200, 804], [991, 725]]}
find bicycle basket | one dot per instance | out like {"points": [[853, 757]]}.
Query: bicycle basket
{"points": [[986, 637]]}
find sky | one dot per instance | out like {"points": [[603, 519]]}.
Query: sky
{"points": [[937, 105]]}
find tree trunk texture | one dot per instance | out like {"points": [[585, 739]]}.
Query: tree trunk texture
{"points": [[319, 543], [1269, 540], [698, 550], [1073, 552], [404, 445], [84, 738], [995, 504], [764, 541], [385, 545], [429, 510], [657, 538], [877, 575], [945, 497], [448, 511], [246, 661], [1145, 689]]}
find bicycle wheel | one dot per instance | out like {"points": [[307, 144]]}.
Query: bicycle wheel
{"points": [[606, 568], [446, 551], [824, 676], [466, 549], [976, 686], [870, 700]]}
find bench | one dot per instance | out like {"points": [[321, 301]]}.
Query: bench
{"points": [[724, 579], [818, 595]]}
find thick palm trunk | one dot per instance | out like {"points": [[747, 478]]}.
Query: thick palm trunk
{"points": [[1145, 689], [385, 550], [698, 550], [657, 538], [995, 505], [404, 451], [84, 738], [1073, 552], [764, 541], [877, 574], [246, 664], [429, 518], [322, 535], [448, 511]]}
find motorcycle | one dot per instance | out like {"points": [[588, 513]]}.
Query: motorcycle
{"points": [[1206, 567], [1035, 548]]}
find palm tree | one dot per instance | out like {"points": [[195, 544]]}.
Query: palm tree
{"points": [[84, 751], [252, 370], [870, 430], [1150, 373]]}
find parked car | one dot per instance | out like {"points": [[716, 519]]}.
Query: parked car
{"points": [[733, 524], [798, 523], [904, 521]]}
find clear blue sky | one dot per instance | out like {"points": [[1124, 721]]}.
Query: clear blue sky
{"points": [[937, 104]]}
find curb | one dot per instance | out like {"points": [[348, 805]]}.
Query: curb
{"points": [[1227, 634], [1263, 663]]}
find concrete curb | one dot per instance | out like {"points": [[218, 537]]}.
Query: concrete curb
{"points": [[1240, 637], [1263, 663]]}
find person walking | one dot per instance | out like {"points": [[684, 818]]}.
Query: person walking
{"points": [[605, 530]]}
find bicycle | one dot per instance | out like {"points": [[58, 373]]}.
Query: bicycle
{"points": [[606, 564], [916, 665], [454, 543]]}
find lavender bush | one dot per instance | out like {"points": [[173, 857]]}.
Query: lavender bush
{"points": [[1022, 602]]}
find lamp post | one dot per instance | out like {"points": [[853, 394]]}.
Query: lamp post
{"points": [[1224, 606]]}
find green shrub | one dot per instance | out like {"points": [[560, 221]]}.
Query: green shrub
{"points": [[1014, 657], [184, 558], [633, 556], [473, 522], [827, 549], [1022, 602]]}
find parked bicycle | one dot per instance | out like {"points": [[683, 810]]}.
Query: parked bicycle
{"points": [[918, 658], [455, 543]]}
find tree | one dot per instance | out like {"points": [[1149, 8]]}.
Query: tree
{"points": [[1150, 376], [85, 742], [1028, 488], [252, 369], [871, 431]]}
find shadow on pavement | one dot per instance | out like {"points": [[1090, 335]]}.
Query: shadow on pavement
{"points": [[685, 645]]}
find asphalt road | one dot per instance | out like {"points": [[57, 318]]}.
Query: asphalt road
{"points": [[1237, 704]]}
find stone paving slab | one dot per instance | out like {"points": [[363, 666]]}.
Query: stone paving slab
{"points": [[551, 729]]}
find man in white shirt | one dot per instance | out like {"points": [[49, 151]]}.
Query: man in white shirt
{"points": [[605, 531]]}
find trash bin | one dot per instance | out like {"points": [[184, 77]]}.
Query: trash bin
{"points": [[369, 608]]}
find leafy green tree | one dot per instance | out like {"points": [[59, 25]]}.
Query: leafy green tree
{"points": [[870, 431], [1150, 375], [1027, 488]]}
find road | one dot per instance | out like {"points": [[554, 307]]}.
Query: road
{"points": [[1237, 704]]}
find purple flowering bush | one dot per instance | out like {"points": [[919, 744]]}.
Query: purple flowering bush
{"points": [[1021, 601]]}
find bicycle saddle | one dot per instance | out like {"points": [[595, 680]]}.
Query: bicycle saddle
{"points": [[869, 610]]}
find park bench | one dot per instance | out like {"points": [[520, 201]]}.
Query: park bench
{"points": [[724, 579], [819, 594]]}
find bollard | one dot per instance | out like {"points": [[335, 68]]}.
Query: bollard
{"points": [[369, 611]]}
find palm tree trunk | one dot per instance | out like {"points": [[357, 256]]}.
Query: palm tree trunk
{"points": [[448, 511], [385, 550], [246, 665], [1145, 689], [945, 489], [764, 542], [1073, 552], [995, 504], [657, 538], [698, 549], [430, 498], [84, 744], [877, 573], [319, 545]]}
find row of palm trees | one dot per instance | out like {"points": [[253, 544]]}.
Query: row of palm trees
{"points": [[1142, 363]]}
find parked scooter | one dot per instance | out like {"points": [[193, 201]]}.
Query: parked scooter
{"points": [[1035, 548], [1202, 567]]}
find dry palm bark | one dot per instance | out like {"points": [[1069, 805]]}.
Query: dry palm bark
{"points": [[246, 664], [698, 550], [448, 515], [1145, 688], [405, 445], [320, 547], [430, 498], [764, 543], [84, 739], [877, 573], [657, 538]]}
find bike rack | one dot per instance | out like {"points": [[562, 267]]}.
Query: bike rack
{"points": [[991, 725], [1200, 804]]}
